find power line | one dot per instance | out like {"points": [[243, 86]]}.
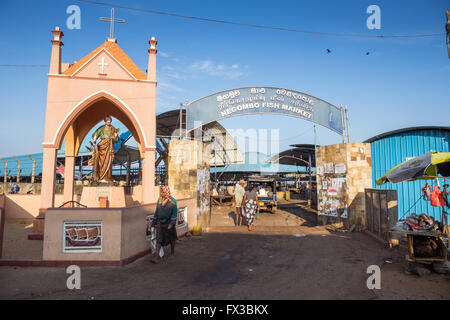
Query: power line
{"points": [[24, 65], [263, 26]]}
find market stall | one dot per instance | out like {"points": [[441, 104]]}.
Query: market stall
{"points": [[427, 238]]}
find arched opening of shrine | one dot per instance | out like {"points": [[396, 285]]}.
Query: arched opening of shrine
{"points": [[90, 112], [80, 121]]}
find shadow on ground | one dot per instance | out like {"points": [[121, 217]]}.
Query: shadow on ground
{"points": [[310, 219], [240, 266]]}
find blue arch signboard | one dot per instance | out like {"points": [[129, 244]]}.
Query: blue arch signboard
{"points": [[268, 100]]}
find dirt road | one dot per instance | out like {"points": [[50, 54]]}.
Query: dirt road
{"points": [[298, 261]]}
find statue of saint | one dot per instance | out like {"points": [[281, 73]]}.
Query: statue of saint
{"points": [[103, 153]]}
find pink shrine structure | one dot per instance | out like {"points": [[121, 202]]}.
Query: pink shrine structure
{"points": [[104, 82]]}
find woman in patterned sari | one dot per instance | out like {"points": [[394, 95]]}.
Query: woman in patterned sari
{"points": [[165, 219], [250, 205]]}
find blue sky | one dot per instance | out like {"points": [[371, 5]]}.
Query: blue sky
{"points": [[401, 83]]}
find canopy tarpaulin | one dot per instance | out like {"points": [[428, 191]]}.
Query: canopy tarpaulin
{"points": [[426, 166]]}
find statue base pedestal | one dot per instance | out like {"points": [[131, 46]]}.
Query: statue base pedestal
{"points": [[103, 197]]}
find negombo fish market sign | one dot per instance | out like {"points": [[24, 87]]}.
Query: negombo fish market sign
{"points": [[269, 100]]}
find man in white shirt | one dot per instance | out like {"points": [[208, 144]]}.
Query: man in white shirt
{"points": [[239, 192]]}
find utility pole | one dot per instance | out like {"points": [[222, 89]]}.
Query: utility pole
{"points": [[343, 124], [186, 104], [347, 124], [215, 163], [315, 158], [447, 28], [310, 179], [181, 118]]}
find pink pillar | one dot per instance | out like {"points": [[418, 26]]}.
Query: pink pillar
{"points": [[148, 177], [47, 192], [48, 178], [55, 60], [151, 68], [69, 171]]}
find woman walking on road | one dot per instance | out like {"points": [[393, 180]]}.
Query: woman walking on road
{"points": [[251, 205], [164, 220]]}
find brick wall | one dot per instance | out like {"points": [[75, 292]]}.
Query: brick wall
{"points": [[189, 174], [343, 172], [360, 177]]}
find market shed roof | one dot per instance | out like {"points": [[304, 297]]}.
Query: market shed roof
{"points": [[405, 130], [168, 122], [224, 145], [298, 156], [256, 162], [124, 152]]}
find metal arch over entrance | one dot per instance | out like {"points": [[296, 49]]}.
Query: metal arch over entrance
{"points": [[268, 100]]}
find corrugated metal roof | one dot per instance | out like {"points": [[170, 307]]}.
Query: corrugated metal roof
{"points": [[404, 130], [391, 149], [169, 121], [256, 162], [298, 156], [226, 149]]}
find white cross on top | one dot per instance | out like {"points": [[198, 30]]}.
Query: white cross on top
{"points": [[102, 64]]}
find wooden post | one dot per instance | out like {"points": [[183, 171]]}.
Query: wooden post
{"points": [[33, 171], [18, 169]]}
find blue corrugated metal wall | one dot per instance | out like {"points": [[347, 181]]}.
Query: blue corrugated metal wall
{"points": [[389, 151]]}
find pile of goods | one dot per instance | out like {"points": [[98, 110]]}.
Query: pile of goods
{"points": [[419, 222]]}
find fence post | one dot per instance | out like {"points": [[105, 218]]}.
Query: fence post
{"points": [[18, 169], [33, 171]]}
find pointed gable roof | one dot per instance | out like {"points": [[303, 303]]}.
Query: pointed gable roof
{"points": [[118, 54]]}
